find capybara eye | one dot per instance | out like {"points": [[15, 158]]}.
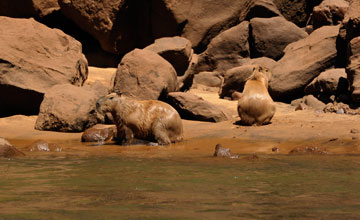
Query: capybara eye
{"points": [[111, 98]]}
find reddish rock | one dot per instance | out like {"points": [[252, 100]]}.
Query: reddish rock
{"points": [[7, 150], [69, 108], [303, 61], [98, 134], [210, 79], [328, 83], [28, 8], [34, 58], [271, 35], [234, 80], [193, 107], [259, 8], [329, 12], [353, 68], [262, 61], [227, 50], [350, 27], [145, 75], [176, 50]]}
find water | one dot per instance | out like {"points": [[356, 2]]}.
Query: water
{"points": [[272, 187]]}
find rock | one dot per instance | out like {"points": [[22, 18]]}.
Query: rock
{"points": [[354, 131], [341, 108], [350, 27], [193, 107], [234, 80], [308, 150], [271, 35], [105, 75], [176, 50], [145, 75], [301, 106], [296, 11], [275, 149], [313, 102], [226, 50], [262, 61], [98, 134], [329, 12], [34, 58], [303, 61], [68, 108], [329, 82], [7, 150], [353, 68], [221, 151], [210, 79], [121, 26], [259, 8], [42, 145], [28, 8]]}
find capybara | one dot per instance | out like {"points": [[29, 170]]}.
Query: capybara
{"points": [[255, 105], [150, 120]]}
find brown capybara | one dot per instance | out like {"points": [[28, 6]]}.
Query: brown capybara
{"points": [[150, 120], [255, 105]]}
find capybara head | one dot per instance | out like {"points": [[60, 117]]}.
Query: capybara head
{"points": [[261, 74], [108, 102]]}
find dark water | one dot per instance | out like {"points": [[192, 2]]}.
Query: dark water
{"points": [[273, 187]]}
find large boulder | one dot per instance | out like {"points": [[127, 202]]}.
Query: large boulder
{"points": [[7, 150], [227, 50], [143, 74], [234, 80], [328, 83], [28, 8], [176, 50], [350, 27], [303, 61], [259, 8], [209, 79], [121, 25], [329, 12], [271, 35], [298, 11], [34, 58], [262, 61], [193, 107], [69, 108], [353, 68]]}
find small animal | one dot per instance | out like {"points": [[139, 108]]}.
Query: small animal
{"points": [[150, 120], [256, 107]]}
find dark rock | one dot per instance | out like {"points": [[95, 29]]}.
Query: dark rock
{"points": [[193, 107], [176, 50], [303, 61], [34, 58], [269, 36], [226, 50], [7, 150], [329, 12], [353, 68], [28, 8], [145, 75], [68, 108]]}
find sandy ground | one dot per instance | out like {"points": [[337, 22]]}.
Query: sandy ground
{"points": [[337, 133]]}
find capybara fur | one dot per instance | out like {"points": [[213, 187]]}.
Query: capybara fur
{"points": [[150, 120], [256, 107]]}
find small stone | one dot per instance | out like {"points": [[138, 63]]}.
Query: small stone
{"points": [[354, 131], [301, 106], [340, 111], [275, 149]]}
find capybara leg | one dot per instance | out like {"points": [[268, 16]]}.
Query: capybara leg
{"points": [[129, 136], [160, 134]]}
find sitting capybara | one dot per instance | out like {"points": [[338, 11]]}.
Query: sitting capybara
{"points": [[255, 105], [147, 120]]}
